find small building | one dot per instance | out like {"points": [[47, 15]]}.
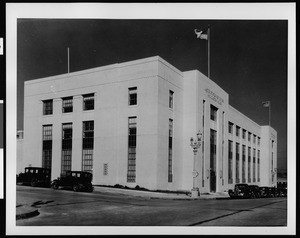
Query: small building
{"points": [[131, 124]]}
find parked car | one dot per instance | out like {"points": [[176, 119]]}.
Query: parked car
{"points": [[35, 176], [255, 190], [76, 180], [241, 190], [265, 192]]}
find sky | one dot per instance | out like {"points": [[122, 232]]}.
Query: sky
{"points": [[248, 57]]}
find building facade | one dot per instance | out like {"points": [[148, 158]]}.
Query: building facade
{"points": [[131, 124]]}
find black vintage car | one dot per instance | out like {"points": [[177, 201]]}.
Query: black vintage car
{"points": [[35, 176], [241, 190], [273, 191], [76, 180], [255, 190], [265, 192]]}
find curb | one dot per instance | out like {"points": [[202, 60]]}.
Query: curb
{"points": [[26, 214]]}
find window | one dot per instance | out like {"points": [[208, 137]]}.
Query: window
{"points": [[254, 138], [170, 175], [132, 96], [230, 164], [230, 127], [171, 95], [244, 134], [48, 107], [213, 113], [47, 147], [105, 169], [249, 136], [237, 159], [131, 169], [258, 140], [254, 178], [249, 164], [237, 131], [66, 162], [258, 166], [88, 102], [244, 163], [67, 104], [87, 146]]}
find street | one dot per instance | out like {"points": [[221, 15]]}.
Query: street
{"points": [[64, 208]]}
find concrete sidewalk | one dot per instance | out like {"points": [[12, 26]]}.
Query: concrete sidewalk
{"points": [[159, 195], [24, 210]]}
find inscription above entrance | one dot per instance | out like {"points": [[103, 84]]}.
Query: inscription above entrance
{"points": [[214, 96]]}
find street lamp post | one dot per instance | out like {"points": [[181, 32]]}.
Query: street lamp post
{"points": [[195, 144]]}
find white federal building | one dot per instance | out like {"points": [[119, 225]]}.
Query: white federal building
{"points": [[131, 124]]}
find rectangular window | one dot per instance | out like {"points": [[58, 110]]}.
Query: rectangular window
{"points": [[105, 169], [254, 138], [48, 107], [230, 164], [132, 132], [230, 127], [244, 134], [249, 164], [47, 147], [244, 163], [170, 174], [213, 113], [67, 104], [237, 159], [258, 166], [87, 146], [132, 96], [88, 101], [213, 158], [66, 163], [254, 177], [171, 94], [237, 131], [258, 140], [249, 136]]}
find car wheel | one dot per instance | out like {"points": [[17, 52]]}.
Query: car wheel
{"points": [[54, 186], [34, 182], [76, 187]]}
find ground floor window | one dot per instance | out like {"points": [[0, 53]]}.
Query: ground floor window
{"points": [[131, 167]]}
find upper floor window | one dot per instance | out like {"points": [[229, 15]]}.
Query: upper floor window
{"points": [[67, 104], [258, 140], [254, 139], [48, 107], [171, 98], [249, 136], [213, 113], [237, 131], [230, 127], [132, 96], [88, 101], [244, 134]]}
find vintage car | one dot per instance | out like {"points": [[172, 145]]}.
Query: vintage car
{"points": [[241, 190], [273, 191], [76, 180], [35, 176], [255, 190], [265, 192], [281, 192]]}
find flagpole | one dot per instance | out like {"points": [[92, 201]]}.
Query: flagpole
{"points": [[68, 60], [208, 49], [269, 113]]}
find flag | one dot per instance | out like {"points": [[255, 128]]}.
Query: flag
{"points": [[201, 34], [266, 104]]}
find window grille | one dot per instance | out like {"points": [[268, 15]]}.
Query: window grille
{"points": [[105, 169], [87, 146], [171, 98], [170, 175], [131, 169], [230, 164], [67, 104], [47, 147], [88, 102], [132, 96], [249, 164], [48, 107], [66, 162], [237, 157]]}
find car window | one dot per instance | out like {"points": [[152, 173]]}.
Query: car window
{"points": [[73, 174], [78, 175], [26, 170]]}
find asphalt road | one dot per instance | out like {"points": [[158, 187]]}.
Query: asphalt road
{"points": [[65, 208]]}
